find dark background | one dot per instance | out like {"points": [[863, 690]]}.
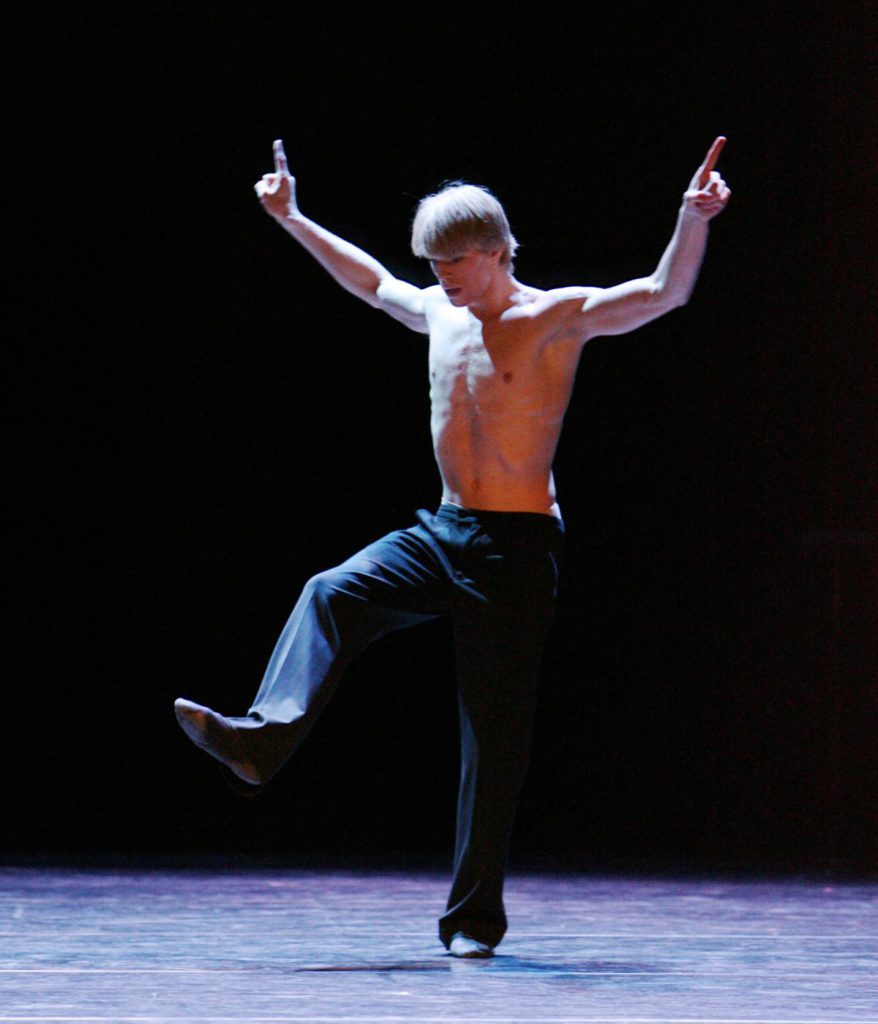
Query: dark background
{"points": [[199, 419]]}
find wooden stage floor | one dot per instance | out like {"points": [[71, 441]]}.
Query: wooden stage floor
{"points": [[269, 946]]}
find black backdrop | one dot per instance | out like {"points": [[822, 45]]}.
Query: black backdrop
{"points": [[199, 419]]}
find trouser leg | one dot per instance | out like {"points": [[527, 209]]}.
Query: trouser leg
{"points": [[395, 582], [499, 644]]}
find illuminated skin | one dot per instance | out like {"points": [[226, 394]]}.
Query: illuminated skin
{"points": [[503, 355]]}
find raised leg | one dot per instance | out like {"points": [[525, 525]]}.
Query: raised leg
{"points": [[397, 581]]}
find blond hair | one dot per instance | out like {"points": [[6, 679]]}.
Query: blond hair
{"points": [[460, 217]]}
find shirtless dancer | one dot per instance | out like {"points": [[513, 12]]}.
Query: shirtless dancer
{"points": [[503, 357]]}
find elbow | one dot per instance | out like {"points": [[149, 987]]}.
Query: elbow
{"points": [[665, 297], [371, 293], [379, 293]]}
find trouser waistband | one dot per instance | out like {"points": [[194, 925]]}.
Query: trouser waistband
{"points": [[459, 514]]}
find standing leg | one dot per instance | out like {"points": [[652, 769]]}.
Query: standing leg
{"points": [[499, 643], [397, 581]]}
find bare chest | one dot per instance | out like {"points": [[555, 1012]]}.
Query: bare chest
{"points": [[494, 369]]}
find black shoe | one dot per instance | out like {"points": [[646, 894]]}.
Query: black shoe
{"points": [[468, 948], [217, 736]]}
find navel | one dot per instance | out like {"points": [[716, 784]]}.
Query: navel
{"points": [[508, 376]]}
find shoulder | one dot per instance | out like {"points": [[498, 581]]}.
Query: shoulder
{"points": [[569, 296], [558, 310], [436, 301], [538, 301], [402, 301]]}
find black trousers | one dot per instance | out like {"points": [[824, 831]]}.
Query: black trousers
{"points": [[495, 574]]}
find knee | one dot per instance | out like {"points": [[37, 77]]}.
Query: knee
{"points": [[322, 587], [332, 587]]}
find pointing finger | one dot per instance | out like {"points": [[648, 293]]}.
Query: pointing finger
{"points": [[710, 160], [280, 158]]}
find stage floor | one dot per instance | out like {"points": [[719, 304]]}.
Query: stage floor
{"points": [[274, 946]]}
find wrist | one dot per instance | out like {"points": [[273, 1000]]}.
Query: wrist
{"points": [[289, 218], [690, 212]]}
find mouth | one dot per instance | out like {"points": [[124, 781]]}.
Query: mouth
{"points": [[451, 291]]}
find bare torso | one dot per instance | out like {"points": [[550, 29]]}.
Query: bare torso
{"points": [[503, 356], [499, 389]]}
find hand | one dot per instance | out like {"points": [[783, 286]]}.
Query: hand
{"points": [[708, 194], [277, 192]]}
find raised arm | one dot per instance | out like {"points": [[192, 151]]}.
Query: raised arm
{"points": [[624, 307], [355, 270]]}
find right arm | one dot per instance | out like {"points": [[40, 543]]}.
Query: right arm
{"points": [[355, 270]]}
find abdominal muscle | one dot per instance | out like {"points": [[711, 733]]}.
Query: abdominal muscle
{"points": [[494, 462]]}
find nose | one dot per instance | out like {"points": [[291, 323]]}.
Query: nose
{"points": [[439, 268]]}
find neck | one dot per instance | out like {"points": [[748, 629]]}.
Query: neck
{"points": [[496, 298]]}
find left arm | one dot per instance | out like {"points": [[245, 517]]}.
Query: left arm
{"points": [[627, 306]]}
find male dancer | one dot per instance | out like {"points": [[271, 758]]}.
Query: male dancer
{"points": [[503, 358]]}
